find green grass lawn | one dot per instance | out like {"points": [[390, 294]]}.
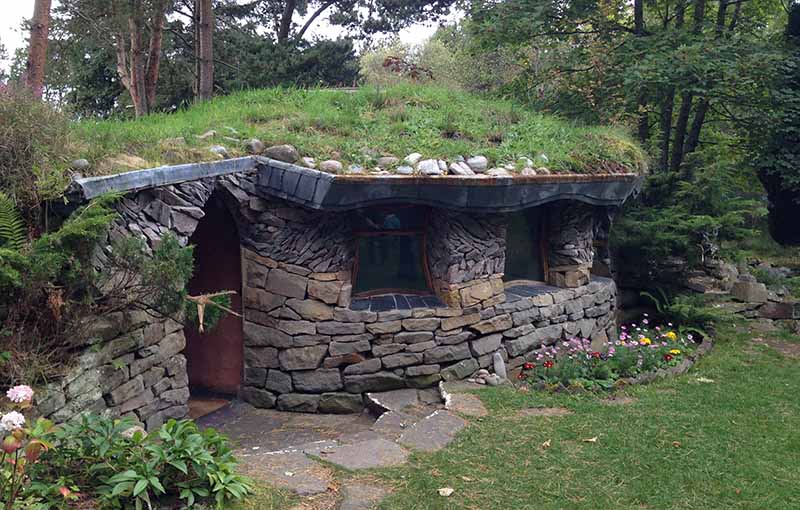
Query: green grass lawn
{"points": [[733, 443], [355, 127]]}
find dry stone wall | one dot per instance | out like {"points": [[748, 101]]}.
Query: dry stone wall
{"points": [[307, 347]]}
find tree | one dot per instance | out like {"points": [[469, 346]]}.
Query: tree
{"points": [[37, 49], [138, 65], [205, 52]]}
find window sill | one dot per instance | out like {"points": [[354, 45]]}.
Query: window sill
{"points": [[387, 302], [519, 289]]}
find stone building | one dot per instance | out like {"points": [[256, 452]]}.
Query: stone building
{"points": [[346, 284]]}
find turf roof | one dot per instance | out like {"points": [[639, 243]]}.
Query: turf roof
{"points": [[357, 127]]}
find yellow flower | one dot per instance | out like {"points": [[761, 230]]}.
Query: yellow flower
{"points": [[675, 351], [671, 335], [645, 341]]}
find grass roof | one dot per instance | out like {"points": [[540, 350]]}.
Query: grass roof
{"points": [[355, 127]]}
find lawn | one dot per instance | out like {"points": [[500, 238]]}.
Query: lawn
{"points": [[723, 436], [358, 126]]}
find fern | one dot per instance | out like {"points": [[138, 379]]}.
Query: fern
{"points": [[12, 228]]}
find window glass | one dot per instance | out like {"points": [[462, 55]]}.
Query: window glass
{"points": [[390, 250], [524, 246]]}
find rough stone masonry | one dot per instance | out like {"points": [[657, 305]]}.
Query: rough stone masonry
{"points": [[305, 348]]}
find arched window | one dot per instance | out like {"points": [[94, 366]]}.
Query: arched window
{"points": [[525, 249], [390, 250]]}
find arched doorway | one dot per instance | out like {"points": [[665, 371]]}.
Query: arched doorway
{"points": [[214, 358]]}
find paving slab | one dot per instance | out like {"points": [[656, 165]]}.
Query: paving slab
{"points": [[466, 404], [433, 432], [393, 423], [394, 400], [373, 453], [291, 470], [362, 496]]}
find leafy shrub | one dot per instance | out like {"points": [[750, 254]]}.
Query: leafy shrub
{"points": [[34, 151], [114, 465], [691, 310]]}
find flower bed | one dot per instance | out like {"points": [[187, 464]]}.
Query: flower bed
{"points": [[641, 354]]}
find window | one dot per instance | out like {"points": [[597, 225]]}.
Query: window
{"points": [[524, 246], [390, 250]]}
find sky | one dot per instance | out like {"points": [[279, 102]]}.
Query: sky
{"points": [[14, 12]]}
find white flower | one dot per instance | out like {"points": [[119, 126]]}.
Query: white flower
{"points": [[12, 421], [20, 394]]}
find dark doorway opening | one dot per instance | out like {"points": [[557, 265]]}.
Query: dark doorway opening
{"points": [[214, 358]]}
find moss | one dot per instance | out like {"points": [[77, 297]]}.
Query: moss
{"points": [[358, 126]]}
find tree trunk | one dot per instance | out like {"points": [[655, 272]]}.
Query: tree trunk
{"points": [[137, 61], [641, 100], [286, 20], [37, 52], [206, 31], [154, 55], [668, 104]]}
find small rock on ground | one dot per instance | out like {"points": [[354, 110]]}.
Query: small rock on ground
{"points": [[433, 432], [374, 453], [362, 496]]}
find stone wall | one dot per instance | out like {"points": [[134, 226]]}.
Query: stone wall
{"points": [[466, 257], [570, 229], [305, 347]]}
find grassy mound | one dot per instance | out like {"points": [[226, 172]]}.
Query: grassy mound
{"points": [[356, 127]]}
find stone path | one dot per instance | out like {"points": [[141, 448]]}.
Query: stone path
{"points": [[285, 449]]}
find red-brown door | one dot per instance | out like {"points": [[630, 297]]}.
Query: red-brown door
{"points": [[214, 358]]}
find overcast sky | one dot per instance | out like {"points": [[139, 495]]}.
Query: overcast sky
{"points": [[16, 11]]}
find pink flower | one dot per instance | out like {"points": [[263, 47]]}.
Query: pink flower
{"points": [[19, 394], [12, 421]]}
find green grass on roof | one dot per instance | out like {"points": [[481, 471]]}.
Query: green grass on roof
{"points": [[354, 127]]}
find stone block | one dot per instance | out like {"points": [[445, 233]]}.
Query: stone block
{"points": [[255, 376], [262, 300], [317, 381], [386, 349], [340, 348], [345, 295], [256, 335], [343, 360], [429, 324], [153, 375], [176, 396], [750, 292], [401, 359], [347, 315], [278, 382], [781, 310], [261, 357], [493, 324], [340, 328], [258, 397], [460, 321], [126, 391], [380, 328], [445, 353], [486, 345], [423, 381], [297, 327], [369, 366], [327, 292], [172, 344], [413, 337], [298, 402], [379, 381], [422, 370], [302, 358], [421, 347], [340, 403], [311, 310], [476, 293], [454, 339], [533, 340], [287, 284], [460, 370]]}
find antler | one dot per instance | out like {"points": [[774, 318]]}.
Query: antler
{"points": [[207, 299]]}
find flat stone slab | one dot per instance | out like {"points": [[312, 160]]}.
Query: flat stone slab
{"points": [[290, 469], [544, 411], [466, 404], [393, 423], [395, 400], [374, 453], [433, 432], [362, 496]]}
